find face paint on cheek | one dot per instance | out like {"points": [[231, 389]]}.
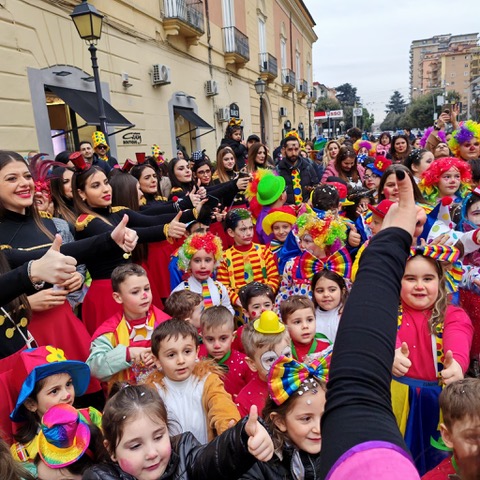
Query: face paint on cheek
{"points": [[126, 466], [254, 314]]}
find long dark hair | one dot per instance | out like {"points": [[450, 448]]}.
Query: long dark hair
{"points": [[392, 169], [344, 153], [394, 154], [252, 155], [79, 181], [57, 188], [186, 187], [137, 171], [7, 157]]}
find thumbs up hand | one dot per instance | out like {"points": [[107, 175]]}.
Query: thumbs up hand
{"points": [[354, 237], [452, 371], [177, 229], [260, 444], [401, 362]]}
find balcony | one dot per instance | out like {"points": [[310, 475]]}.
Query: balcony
{"points": [[235, 45], [268, 67], [185, 18], [302, 88], [288, 80], [313, 94]]}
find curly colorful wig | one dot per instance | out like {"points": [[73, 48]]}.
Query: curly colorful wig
{"points": [[431, 177], [325, 232], [294, 134], [466, 132], [199, 241], [364, 144], [426, 134]]}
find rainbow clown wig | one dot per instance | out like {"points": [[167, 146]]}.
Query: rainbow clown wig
{"points": [[431, 177], [359, 144], [325, 230], [467, 131], [199, 241]]}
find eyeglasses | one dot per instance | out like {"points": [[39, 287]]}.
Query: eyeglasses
{"points": [[370, 177], [204, 172]]}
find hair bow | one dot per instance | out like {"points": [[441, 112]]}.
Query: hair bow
{"points": [[286, 376], [339, 263], [443, 253], [235, 122]]}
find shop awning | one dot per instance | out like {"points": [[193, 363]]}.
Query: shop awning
{"points": [[85, 105], [189, 115]]}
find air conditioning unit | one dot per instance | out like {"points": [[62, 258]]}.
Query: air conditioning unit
{"points": [[211, 88], [161, 75], [283, 111], [223, 114]]}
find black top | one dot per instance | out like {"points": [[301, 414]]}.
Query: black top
{"points": [[308, 177]]}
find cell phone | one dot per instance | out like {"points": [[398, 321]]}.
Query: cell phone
{"points": [[447, 108], [243, 174]]}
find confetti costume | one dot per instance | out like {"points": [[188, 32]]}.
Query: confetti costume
{"points": [[246, 264]]}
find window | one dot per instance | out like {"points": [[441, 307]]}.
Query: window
{"points": [[283, 51], [298, 64], [466, 65], [262, 36], [452, 74], [465, 74], [228, 13]]}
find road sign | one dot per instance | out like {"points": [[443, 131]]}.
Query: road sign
{"points": [[335, 114], [358, 112]]}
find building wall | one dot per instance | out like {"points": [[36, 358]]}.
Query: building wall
{"points": [[40, 35]]}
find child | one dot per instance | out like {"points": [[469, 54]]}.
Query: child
{"points": [[246, 261], [67, 444], [120, 347], [43, 377], [374, 224], [433, 346], [460, 406], [298, 314], [233, 139], [193, 391], [293, 413], [200, 255], [264, 341], [278, 222], [255, 298], [329, 294], [185, 305], [137, 436], [321, 238], [217, 334], [446, 177]]}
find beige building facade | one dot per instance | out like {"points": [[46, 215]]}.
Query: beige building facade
{"points": [[172, 71]]}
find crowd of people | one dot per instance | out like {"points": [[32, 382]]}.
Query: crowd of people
{"points": [[306, 312]]}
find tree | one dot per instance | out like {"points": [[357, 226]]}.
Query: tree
{"points": [[419, 113], [325, 104], [347, 95], [390, 122], [396, 103]]}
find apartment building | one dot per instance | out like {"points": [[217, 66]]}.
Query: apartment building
{"points": [[438, 61], [172, 72]]}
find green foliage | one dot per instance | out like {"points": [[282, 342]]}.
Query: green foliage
{"points": [[347, 94], [325, 104], [396, 103]]}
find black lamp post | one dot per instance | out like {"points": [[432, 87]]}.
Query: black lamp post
{"points": [[309, 107], [89, 26], [260, 87]]}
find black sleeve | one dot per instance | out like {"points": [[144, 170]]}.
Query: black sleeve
{"points": [[225, 192], [81, 250], [14, 283], [158, 208], [226, 457], [358, 407], [138, 220]]}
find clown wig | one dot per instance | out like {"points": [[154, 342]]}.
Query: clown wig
{"points": [[364, 144], [199, 241], [428, 131], [467, 131], [431, 177], [325, 232]]}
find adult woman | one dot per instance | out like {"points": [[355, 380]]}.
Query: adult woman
{"points": [[148, 182], [226, 165], [181, 177], [374, 173], [330, 151], [52, 321], [388, 188], [465, 141], [345, 167], [418, 161], [62, 197], [92, 196], [257, 157], [203, 171], [400, 148]]}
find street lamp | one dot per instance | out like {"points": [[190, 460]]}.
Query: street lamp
{"points": [[89, 26], [309, 107], [260, 87]]}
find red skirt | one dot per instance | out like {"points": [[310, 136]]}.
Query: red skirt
{"points": [[470, 302], [99, 305], [159, 254], [60, 328]]}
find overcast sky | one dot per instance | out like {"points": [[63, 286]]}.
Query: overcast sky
{"points": [[367, 43]]}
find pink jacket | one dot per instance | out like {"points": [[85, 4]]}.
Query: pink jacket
{"points": [[331, 171]]}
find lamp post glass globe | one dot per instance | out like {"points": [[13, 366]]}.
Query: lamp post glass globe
{"points": [[88, 21]]}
